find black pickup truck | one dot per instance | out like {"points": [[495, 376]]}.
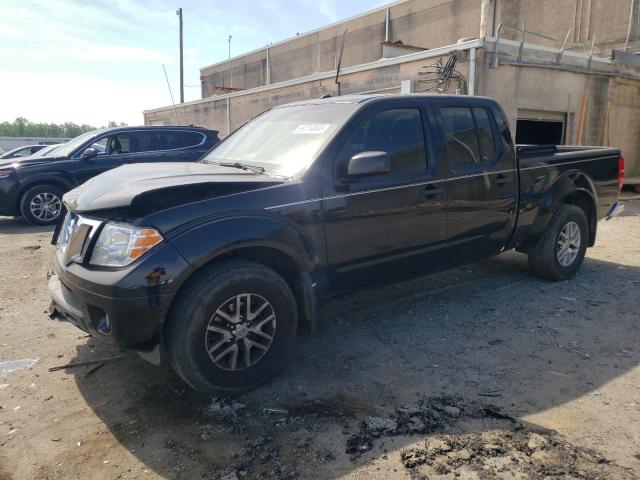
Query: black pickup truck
{"points": [[216, 265]]}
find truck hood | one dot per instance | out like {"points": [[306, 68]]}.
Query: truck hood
{"points": [[148, 187]]}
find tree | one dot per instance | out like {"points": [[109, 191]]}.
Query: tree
{"points": [[21, 127]]}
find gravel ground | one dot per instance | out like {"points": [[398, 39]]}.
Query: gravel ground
{"points": [[480, 372]]}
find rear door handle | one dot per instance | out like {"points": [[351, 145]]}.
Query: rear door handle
{"points": [[502, 180], [431, 192]]}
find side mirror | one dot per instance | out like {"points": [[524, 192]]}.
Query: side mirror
{"points": [[90, 152], [369, 163]]}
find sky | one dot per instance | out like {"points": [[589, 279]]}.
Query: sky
{"points": [[95, 61]]}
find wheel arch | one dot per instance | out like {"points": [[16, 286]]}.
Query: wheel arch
{"points": [[264, 240], [60, 182], [573, 188]]}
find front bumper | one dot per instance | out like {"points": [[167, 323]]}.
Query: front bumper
{"points": [[8, 198], [118, 307]]}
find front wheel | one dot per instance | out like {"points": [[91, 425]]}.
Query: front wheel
{"points": [[561, 249], [231, 328], [41, 205]]}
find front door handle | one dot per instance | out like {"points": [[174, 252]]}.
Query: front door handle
{"points": [[431, 192], [502, 180]]}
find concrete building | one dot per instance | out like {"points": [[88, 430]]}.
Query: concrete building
{"points": [[565, 71]]}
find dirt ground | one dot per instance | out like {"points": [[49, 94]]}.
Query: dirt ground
{"points": [[480, 372]]}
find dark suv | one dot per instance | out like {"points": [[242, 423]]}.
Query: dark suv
{"points": [[33, 186]]}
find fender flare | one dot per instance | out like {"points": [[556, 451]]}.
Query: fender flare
{"points": [[569, 184], [225, 237]]}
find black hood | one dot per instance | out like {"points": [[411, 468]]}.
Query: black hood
{"points": [[24, 161], [153, 186]]}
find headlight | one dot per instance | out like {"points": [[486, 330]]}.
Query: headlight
{"points": [[118, 245]]}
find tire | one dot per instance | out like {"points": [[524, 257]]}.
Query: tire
{"points": [[48, 198], [203, 311], [548, 259]]}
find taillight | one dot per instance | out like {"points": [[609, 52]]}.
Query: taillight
{"points": [[620, 172]]}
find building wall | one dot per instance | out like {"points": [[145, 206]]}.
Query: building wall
{"points": [[212, 113], [608, 20], [613, 103], [423, 23]]}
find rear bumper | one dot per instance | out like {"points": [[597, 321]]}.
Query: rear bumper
{"points": [[616, 210]]}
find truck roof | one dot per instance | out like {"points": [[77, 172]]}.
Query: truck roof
{"points": [[381, 98]]}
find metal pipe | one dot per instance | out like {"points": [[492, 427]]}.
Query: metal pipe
{"points": [[524, 31], [575, 20], [564, 46], [228, 116], [472, 72], [497, 46], [268, 74], [179, 13], [580, 20], [589, 19], [386, 25], [626, 42]]}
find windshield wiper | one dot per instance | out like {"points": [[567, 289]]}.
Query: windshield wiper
{"points": [[243, 166]]}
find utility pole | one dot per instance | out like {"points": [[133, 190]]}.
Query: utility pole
{"points": [[179, 13]]}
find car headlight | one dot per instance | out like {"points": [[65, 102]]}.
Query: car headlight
{"points": [[118, 245]]}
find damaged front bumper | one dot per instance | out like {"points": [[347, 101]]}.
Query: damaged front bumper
{"points": [[120, 307]]}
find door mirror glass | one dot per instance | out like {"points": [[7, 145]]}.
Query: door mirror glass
{"points": [[90, 152], [369, 163]]}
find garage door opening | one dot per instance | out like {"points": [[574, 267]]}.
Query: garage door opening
{"points": [[539, 132]]}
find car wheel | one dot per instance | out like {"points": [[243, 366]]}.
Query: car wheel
{"points": [[41, 205], [231, 328], [560, 252]]}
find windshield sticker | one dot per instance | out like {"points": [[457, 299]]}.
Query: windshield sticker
{"points": [[311, 128]]}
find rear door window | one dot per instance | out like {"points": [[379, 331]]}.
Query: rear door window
{"points": [[460, 136], [119, 143], [485, 133], [468, 136]]}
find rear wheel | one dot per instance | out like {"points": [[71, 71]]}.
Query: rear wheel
{"points": [[232, 327], [41, 205], [560, 252]]}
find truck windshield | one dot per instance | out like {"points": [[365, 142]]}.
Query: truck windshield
{"points": [[285, 140]]}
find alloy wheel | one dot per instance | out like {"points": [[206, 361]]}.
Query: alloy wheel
{"points": [[240, 332], [45, 206], [568, 245]]}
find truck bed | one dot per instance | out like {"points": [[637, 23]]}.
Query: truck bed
{"points": [[548, 171]]}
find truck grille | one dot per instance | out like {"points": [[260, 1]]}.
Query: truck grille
{"points": [[75, 237]]}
